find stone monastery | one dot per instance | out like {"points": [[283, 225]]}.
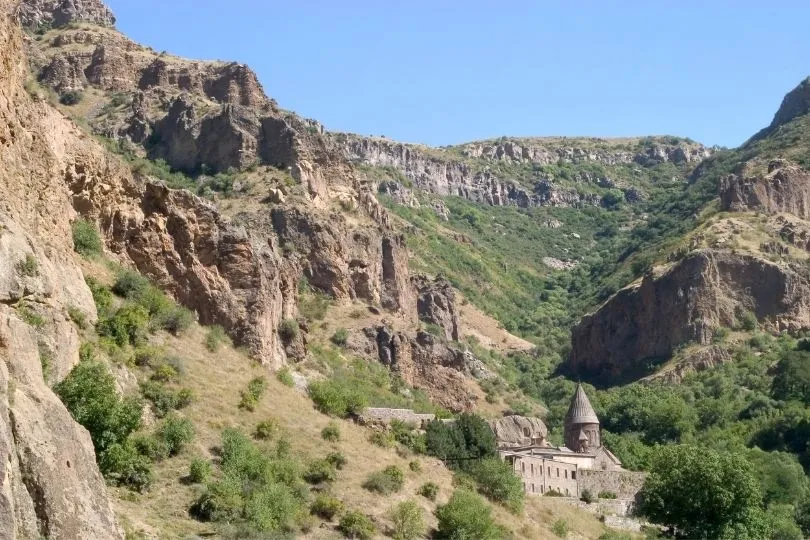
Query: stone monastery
{"points": [[582, 464]]}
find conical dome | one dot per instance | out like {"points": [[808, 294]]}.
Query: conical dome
{"points": [[580, 411]]}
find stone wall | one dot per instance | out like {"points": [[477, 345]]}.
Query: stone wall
{"points": [[384, 416], [541, 475], [625, 484]]}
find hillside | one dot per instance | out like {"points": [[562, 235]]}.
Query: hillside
{"points": [[202, 292]]}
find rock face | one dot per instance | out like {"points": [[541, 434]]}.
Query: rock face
{"points": [[465, 171], [784, 188], [700, 360], [697, 295], [35, 13], [49, 483], [795, 103], [436, 304], [514, 431]]}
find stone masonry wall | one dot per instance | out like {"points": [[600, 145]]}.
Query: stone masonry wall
{"points": [[625, 484]]}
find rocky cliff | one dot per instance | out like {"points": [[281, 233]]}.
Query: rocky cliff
{"points": [[785, 187], [708, 289], [477, 171], [39, 14], [50, 484]]}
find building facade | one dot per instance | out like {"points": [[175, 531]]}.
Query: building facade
{"points": [[582, 463]]}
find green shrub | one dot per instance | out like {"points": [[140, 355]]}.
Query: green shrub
{"points": [[354, 524], [221, 501], [199, 470], [266, 429], [71, 97], [164, 373], [288, 329], [428, 490], [320, 471], [467, 515], [86, 240], [409, 437], [89, 393], [325, 506], [284, 376], [553, 493], [497, 481], [253, 393], [176, 432], [336, 398], [101, 295], [176, 320], [606, 495], [130, 284], [127, 325], [29, 266], [165, 399], [122, 464], [389, 480], [586, 496], [78, 317], [408, 520], [415, 466], [340, 337], [336, 459], [383, 439], [150, 446], [560, 528], [331, 432], [747, 321], [30, 317], [215, 337]]}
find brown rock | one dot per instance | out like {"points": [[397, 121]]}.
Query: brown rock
{"points": [[436, 304]]}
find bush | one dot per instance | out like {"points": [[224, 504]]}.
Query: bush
{"points": [[150, 446], [215, 338], [130, 284], [71, 97], [340, 337], [336, 398], [467, 515], [353, 524], [336, 459], [122, 464], [86, 240], [284, 376], [128, 325], [101, 295], [199, 470], [253, 393], [498, 482], [176, 432], [383, 439], [221, 501], [415, 466], [586, 496], [326, 507], [176, 320], [78, 317], [748, 321], [389, 480], [319, 471], [331, 432], [28, 266], [560, 528], [89, 393], [164, 399], [606, 495], [164, 373], [409, 521], [428, 490], [288, 329], [266, 429]]}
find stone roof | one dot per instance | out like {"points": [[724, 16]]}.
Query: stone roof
{"points": [[580, 411], [511, 429]]}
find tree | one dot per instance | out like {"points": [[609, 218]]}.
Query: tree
{"points": [[701, 493], [466, 515], [792, 378]]}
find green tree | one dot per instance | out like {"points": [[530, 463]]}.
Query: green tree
{"points": [[792, 377], [701, 493], [467, 515]]}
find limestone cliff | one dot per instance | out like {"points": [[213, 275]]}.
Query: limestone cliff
{"points": [[785, 187], [643, 324]]}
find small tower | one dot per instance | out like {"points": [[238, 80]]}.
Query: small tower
{"points": [[582, 433]]}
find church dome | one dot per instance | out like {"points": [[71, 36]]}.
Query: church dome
{"points": [[580, 411]]}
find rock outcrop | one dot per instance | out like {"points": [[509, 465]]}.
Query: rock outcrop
{"points": [[470, 170], [515, 430], [436, 304], [50, 485], [39, 13], [701, 360], [704, 291], [795, 103], [784, 188]]}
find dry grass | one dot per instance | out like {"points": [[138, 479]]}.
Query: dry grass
{"points": [[217, 380]]}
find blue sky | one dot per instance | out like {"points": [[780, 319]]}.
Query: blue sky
{"points": [[445, 72]]}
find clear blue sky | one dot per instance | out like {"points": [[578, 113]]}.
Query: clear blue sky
{"points": [[444, 72]]}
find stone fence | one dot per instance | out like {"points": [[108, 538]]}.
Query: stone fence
{"points": [[625, 484], [383, 416]]}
